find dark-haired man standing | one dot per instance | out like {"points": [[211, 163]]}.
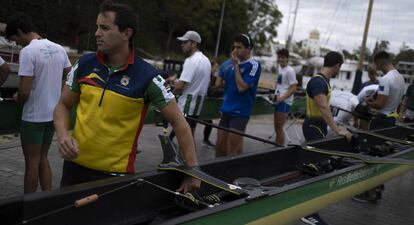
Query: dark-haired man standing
{"points": [[43, 66], [318, 93], [113, 89], [390, 93], [286, 85], [241, 76]]}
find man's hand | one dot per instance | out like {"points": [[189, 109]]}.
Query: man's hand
{"points": [[189, 184], [234, 57], [345, 133], [68, 147]]}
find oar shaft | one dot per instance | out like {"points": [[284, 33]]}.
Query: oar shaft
{"points": [[233, 131]]}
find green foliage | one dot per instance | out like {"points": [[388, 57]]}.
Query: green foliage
{"points": [[72, 22]]}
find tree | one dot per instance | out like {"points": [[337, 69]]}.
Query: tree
{"points": [[264, 16]]}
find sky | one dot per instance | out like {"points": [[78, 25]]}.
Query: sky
{"points": [[341, 22]]}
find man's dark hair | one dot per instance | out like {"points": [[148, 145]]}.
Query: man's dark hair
{"points": [[382, 56], [245, 39], [125, 16], [333, 58], [283, 52], [17, 22]]}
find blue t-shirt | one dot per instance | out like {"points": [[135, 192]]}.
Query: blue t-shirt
{"points": [[237, 103]]}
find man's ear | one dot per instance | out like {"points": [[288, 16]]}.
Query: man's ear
{"points": [[128, 33], [19, 32]]}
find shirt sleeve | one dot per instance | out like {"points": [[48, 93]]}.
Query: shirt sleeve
{"points": [[188, 72], [26, 63], [159, 92], [252, 74], [72, 79], [316, 86], [384, 87]]}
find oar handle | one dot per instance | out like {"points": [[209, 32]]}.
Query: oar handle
{"points": [[87, 200]]}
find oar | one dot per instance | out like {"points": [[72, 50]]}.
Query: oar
{"points": [[359, 131], [368, 118], [233, 131], [366, 159]]}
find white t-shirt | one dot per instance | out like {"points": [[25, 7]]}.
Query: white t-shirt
{"points": [[196, 73], [1, 61], [285, 78], [45, 61], [367, 91], [391, 85], [343, 100]]}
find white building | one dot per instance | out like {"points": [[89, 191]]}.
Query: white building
{"points": [[312, 45]]}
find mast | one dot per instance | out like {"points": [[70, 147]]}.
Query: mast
{"points": [[358, 74], [219, 31], [364, 39], [289, 40]]}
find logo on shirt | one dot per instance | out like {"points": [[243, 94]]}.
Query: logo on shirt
{"points": [[95, 70], [381, 88], [125, 80]]}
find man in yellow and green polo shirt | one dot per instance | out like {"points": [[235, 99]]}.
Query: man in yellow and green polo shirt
{"points": [[113, 89]]}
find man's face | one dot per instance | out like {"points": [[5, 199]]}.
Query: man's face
{"points": [[19, 39], [282, 60], [337, 69], [187, 47], [108, 37], [242, 52]]}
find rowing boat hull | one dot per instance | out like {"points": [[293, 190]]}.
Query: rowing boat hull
{"points": [[143, 203]]}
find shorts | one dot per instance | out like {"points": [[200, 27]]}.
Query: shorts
{"points": [[73, 173], [232, 122], [36, 132], [314, 129], [282, 107]]}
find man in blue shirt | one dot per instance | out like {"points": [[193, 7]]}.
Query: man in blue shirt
{"points": [[241, 75]]}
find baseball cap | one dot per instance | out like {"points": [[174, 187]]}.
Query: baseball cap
{"points": [[190, 36]]}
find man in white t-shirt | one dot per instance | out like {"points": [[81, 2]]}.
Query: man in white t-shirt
{"points": [[43, 66], [286, 85], [390, 93], [4, 71], [194, 79]]}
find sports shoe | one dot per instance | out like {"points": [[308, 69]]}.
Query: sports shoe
{"points": [[365, 197], [207, 144], [313, 219]]}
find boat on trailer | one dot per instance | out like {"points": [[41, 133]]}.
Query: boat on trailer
{"points": [[274, 186]]}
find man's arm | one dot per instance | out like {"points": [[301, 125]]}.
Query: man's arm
{"points": [[68, 147], [324, 107], [378, 103], [182, 130], [25, 88], [218, 83], [4, 73], [241, 85], [179, 87], [290, 91]]}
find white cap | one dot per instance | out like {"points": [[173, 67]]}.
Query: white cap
{"points": [[190, 36]]}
